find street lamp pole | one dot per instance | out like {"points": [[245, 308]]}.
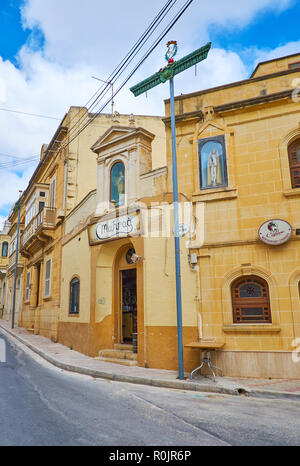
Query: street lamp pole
{"points": [[162, 76], [112, 91], [18, 206]]}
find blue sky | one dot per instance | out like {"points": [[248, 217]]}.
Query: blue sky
{"points": [[50, 49], [267, 30], [12, 35]]}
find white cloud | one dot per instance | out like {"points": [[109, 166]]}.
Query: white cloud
{"points": [[85, 39], [260, 55]]}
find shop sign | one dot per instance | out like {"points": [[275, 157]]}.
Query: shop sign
{"points": [[275, 232], [116, 227]]}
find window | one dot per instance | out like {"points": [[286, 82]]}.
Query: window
{"points": [[41, 206], [27, 286], [294, 161], [250, 300], [74, 296], [30, 209], [212, 163], [52, 193], [117, 184], [47, 278], [4, 249], [293, 66]]}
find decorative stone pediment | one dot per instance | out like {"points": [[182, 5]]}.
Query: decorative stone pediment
{"points": [[125, 146], [113, 134], [211, 128]]}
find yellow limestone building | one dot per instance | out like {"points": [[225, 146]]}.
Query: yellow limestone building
{"points": [[64, 178], [238, 150]]}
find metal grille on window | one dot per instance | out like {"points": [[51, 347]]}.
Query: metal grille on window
{"points": [[74, 296], [294, 161], [250, 300]]}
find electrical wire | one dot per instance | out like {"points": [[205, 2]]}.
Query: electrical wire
{"points": [[29, 114], [19, 163], [150, 50], [15, 157], [105, 88]]}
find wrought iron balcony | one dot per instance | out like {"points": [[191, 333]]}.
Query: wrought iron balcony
{"points": [[38, 227]]}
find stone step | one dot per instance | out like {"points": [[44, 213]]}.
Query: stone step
{"points": [[117, 354], [123, 362], [123, 347]]}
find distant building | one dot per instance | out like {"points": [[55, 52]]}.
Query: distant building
{"points": [[4, 247], [63, 179]]}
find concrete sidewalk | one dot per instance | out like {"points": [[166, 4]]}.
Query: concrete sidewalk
{"points": [[71, 360]]}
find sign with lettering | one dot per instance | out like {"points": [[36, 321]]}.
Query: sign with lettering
{"points": [[275, 232], [116, 227]]}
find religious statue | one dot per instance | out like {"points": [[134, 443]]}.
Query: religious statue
{"points": [[212, 155], [118, 184], [214, 176]]}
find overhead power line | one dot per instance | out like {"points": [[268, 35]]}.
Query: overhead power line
{"points": [[150, 50], [29, 114], [104, 88]]}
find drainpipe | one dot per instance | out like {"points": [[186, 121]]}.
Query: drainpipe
{"points": [[197, 300]]}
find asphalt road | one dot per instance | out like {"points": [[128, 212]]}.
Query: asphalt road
{"points": [[43, 405]]}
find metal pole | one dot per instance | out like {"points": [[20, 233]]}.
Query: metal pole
{"points": [[176, 235], [16, 266]]}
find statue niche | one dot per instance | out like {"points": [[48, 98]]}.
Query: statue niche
{"points": [[212, 162]]}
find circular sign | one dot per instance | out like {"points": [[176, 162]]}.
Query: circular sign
{"points": [[275, 232]]}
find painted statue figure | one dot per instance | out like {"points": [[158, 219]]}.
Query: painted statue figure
{"points": [[214, 176]]}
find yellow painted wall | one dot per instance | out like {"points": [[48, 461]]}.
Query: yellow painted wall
{"points": [[259, 189]]}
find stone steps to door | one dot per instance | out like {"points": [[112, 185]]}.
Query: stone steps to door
{"points": [[123, 362], [121, 354]]}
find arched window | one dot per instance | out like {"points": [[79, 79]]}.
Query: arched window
{"points": [[4, 249], [294, 161], [74, 296], [250, 300], [117, 184]]}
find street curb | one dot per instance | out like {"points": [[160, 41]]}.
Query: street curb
{"points": [[173, 384]]}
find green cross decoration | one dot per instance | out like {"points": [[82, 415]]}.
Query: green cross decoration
{"points": [[171, 70]]}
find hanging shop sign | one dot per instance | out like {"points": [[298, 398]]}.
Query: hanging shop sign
{"points": [[275, 232], [116, 227]]}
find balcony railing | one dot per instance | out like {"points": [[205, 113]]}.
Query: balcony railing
{"points": [[45, 219]]}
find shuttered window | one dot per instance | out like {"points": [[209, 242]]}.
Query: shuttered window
{"points": [[294, 161], [4, 249], [47, 278], [74, 296], [52, 193], [27, 286], [250, 300]]}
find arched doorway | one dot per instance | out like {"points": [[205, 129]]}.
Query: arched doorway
{"points": [[125, 312]]}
